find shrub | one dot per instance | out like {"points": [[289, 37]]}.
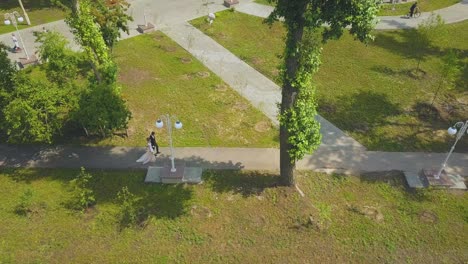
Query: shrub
{"points": [[83, 195]]}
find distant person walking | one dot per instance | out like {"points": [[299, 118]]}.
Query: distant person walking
{"points": [[15, 42], [412, 8], [154, 144]]}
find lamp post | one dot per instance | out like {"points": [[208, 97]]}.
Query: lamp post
{"points": [[452, 131], [13, 18], [177, 125]]}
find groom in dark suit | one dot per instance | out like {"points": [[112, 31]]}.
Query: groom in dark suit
{"points": [[154, 145]]}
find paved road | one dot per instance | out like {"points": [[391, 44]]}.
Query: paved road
{"points": [[323, 159], [452, 14], [339, 152]]}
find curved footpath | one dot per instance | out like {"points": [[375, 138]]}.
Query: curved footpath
{"points": [[338, 152]]}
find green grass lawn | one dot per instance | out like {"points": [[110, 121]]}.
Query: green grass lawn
{"points": [[234, 217], [402, 9], [368, 91], [159, 77], [39, 12], [424, 6]]}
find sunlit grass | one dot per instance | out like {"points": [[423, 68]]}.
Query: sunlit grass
{"points": [[368, 91], [234, 217]]}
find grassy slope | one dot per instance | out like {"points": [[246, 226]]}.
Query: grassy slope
{"points": [[39, 12], [402, 9], [155, 81], [251, 221], [364, 90]]}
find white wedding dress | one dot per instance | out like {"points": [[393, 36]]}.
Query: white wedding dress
{"points": [[148, 156]]}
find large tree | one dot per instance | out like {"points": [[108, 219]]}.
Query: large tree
{"points": [[304, 20]]}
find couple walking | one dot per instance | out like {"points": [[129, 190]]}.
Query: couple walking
{"points": [[152, 150]]}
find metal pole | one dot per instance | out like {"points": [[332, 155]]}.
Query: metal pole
{"points": [[169, 127], [21, 39], [459, 135]]}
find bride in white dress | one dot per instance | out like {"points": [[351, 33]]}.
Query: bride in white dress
{"points": [[149, 154]]}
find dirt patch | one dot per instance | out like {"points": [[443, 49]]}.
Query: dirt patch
{"points": [[186, 76], [203, 74], [136, 76], [428, 217], [168, 48], [222, 87], [275, 72], [186, 60], [426, 112], [417, 74], [222, 35], [258, 61], [262, 126], [240, 106], [370, 212], [200, 211], [158, 37]]}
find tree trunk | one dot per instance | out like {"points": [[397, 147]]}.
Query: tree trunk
{"points": [[288, 99], [24, 12], [437, 92]]}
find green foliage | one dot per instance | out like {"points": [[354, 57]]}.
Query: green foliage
{"points": [[429, 31], [24, 206], [102, 110], [129, 211], [61, 62], [36, 111], [450, 70], [7, 71], [304, 130], [88, 35], [7, 84], [83, 195], [112, 18]]}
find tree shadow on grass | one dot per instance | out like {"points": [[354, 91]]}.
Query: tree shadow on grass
{"points": [[361, 111], [401, 42], [404, 73], [245, 183], [395, 179]]}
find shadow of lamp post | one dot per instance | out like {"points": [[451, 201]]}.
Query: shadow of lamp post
{"points": [[453, 131], [13, 18], [177, 125]]}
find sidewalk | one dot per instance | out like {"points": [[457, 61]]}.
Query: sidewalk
{"points": [[339, 152], [323, 159], [451, 14]]}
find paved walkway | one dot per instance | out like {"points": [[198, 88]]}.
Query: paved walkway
{"points": [[226, 158], [451, 14], [338, 153]]}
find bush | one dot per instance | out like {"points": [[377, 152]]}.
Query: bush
{"points": [[24, 206], [83, 195], [130, 213]]}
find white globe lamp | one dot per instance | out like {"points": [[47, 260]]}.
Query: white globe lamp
{"points": [[452, 131]]}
